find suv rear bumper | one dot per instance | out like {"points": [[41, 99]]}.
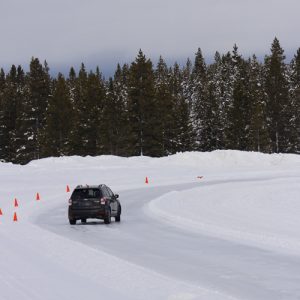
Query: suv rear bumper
{"points": [[75, 214]]}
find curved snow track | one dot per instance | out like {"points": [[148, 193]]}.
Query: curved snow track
{"points": [[146, 258]]}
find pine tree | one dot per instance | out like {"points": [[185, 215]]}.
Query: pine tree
{"points": [[4, 143], [18, 141], [78, 91], [34, 104], [220, 95], [278, 101], [143, 109], [187, 93], [183, 130], [258, 131], [115, 116], [72, 83], [166, 103], [96, 94], [214, 129], [226, 96], [12, 104], [295, 100], [238, 110], [201, 108], [58, 121], [87, 96]]}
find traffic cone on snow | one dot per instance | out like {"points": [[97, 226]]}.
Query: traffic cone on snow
{"points": [[16, 204], [1, 212], [68, 189], [146, 180], [15, 217], [37, 196]]}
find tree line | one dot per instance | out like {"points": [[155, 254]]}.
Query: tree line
{"points": [[232, 103]]}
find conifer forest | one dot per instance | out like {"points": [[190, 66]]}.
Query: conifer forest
{"points": [[154, 110]]}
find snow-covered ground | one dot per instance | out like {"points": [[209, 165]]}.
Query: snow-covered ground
{"points": [[219, 225]]}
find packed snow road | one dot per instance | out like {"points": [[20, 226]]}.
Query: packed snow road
{"points": [[226, 267]]}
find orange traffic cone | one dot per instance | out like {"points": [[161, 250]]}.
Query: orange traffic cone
{"points": [[37, 196], [68, 189], [15, 217], [1, 212], [16, 203], [146, 180]]}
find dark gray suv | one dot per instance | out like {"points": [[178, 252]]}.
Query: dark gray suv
{"points": [[94, 201]]}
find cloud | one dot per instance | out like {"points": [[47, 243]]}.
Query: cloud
{"points": [[68, 32]]}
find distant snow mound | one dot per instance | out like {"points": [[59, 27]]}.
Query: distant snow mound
{"points": [[215, 159]]}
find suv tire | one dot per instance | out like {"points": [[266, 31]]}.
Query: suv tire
{"points": [[118, 216], [107, 218], [72, 221]]}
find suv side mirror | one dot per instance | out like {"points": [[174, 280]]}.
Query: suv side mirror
{"points": [[116, 196]]}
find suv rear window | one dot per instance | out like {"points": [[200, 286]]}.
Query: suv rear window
{"points": [[86, 194]]}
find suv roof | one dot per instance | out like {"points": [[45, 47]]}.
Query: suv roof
{"points": [[89, 186]]}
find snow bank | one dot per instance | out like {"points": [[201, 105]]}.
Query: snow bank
{"points": [[261, 213], [218, 159]]}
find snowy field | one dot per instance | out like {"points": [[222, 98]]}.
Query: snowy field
{"points": [[219, 225]]}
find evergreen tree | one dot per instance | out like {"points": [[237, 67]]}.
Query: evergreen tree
{"points": [[114, 131], [58, 121], [166, 103], [187, 93], [238, 110], [278, 101], [17, 140], [87, 96], [220, 94], [72, 86], [96, 94], [226, 96], [78, 91], [143, 109], [214, 129], [187, 86], [258, 131], [4, 144], [11, 107], [201, 108], [32, 120], [295, 100], [183, 130]]}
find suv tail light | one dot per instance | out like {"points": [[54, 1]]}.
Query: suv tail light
{"points": [[70, 202], [103, 201]]}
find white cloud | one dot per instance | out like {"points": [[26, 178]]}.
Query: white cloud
{"points": [[70, 31]]}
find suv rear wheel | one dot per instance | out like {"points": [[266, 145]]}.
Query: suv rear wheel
{"points": [[107, 218], [72, 221], [118, 216]]}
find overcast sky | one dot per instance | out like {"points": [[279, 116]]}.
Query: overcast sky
{"points": [[105, 32]]}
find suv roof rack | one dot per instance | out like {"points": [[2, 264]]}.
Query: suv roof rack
{"points": [[83, 186]]}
